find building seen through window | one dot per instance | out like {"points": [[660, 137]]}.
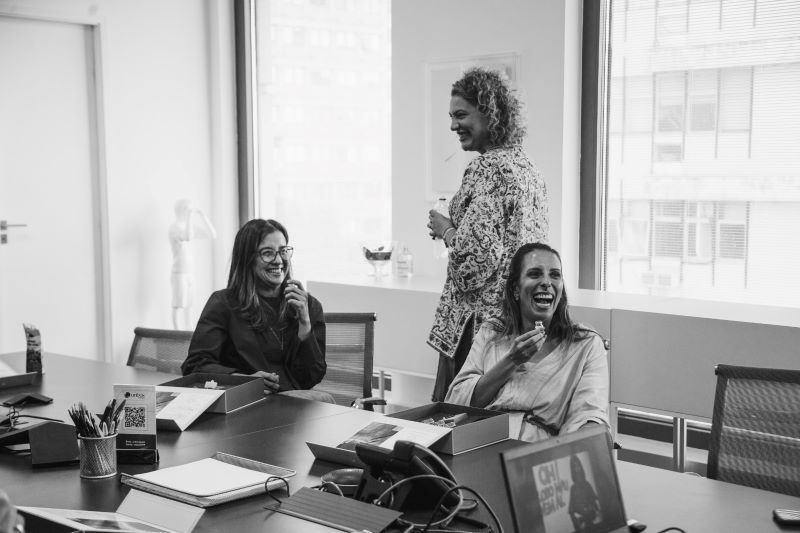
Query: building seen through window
{"points": [[703, 169], [323, 127]]}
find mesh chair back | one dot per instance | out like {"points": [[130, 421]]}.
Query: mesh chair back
{"points": [[755, 430], [349, 344], [163, 350]]}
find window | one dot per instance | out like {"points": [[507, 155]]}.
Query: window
{"points": [[699, 174], [322, 127]]}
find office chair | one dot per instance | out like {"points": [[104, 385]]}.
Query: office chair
{"points": [[349, 348], [755, 429], [162, 350]]}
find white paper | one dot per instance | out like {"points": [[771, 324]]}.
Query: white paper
{"points": [[186, 404]]}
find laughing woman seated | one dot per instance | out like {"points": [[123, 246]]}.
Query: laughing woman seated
{"points": [[264, 324], [549, 373]]}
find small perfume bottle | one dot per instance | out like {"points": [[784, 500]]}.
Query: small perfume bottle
{"points": [[404, 264]]}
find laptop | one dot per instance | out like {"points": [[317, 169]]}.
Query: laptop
{"points": [[11, 378], [565, 484]]}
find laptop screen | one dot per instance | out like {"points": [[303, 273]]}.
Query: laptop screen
{"points": [[565, 484]]}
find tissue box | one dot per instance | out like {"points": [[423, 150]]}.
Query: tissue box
{"points": [[239, 390], [482, 427]]}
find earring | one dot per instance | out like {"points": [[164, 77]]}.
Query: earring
{"points": [[516, 295]]}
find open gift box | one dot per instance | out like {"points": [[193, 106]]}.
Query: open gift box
{"points": [[480, 428], [239, 390]]}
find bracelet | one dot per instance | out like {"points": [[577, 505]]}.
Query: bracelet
{"points": [[444, 236]]}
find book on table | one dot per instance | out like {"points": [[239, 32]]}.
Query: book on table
{"points": [[211, 481]]}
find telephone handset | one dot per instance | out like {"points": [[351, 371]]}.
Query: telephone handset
{"points": [[386, 467]]}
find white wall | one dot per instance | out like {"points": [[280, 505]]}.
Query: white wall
{"points": [[168, 118], [159, 109], [546, 35]]}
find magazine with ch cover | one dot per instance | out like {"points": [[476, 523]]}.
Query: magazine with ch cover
{"points": [[566, 483], [139, 513]]}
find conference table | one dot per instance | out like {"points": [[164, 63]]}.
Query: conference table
{"points": [[275, 431]]}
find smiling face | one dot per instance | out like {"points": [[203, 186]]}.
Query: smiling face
{"points": [[539, 287], [271, 274], [471, 126]]}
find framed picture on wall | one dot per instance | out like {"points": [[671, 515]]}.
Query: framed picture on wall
{"points": [[446, 160]]}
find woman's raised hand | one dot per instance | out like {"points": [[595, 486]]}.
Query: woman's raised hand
{"points": [[527, 345], [297, 299]]}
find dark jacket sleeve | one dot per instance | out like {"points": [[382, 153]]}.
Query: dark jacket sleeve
{"points": [[210, 338], [306, 359]]}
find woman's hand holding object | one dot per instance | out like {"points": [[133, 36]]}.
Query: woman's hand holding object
{"points": [[526, 346], [271, 381], [438, 224]]}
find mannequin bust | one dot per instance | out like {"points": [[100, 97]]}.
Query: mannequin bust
{"points": [[190, 223]]}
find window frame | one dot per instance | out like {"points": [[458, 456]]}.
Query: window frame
{"points": [[246, 153], [594, 106]]}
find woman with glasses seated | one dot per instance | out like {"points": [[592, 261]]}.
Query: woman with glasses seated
{"points": [[264, 324], [549, 373]]}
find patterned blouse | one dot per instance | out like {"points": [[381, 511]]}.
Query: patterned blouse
{"points": [[501, 204]]}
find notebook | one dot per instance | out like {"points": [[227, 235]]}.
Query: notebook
{"points": [[207, 482], [565, 484]]}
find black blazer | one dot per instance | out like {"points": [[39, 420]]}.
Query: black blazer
{"points": [[224, 343]]}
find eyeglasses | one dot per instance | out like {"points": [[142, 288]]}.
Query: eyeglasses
{"points": [[268, 254]]}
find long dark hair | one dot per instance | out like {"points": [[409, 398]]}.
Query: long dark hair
{"points": [[242, 280], [561, 325]]}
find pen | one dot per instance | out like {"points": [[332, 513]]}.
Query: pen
{"points": [[455, 419]]}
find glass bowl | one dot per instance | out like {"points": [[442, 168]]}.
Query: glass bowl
{"points": [[378, 257]]}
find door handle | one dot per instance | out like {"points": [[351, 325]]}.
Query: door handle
{"points": [[4, 225]]}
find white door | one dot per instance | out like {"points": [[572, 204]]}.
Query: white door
{"points": [[48, 171]]}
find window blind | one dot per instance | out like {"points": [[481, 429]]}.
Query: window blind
{"points": [[702, 151]]}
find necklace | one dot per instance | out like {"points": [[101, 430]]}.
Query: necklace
{"points": [[278, 337], [271, 307]]}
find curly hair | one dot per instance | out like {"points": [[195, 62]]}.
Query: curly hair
{"points": [[490, 93]]}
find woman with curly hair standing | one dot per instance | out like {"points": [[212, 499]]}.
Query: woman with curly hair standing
{"points": [[501, 204]]}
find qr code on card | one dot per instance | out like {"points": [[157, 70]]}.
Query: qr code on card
{"points": [[135, 417]]}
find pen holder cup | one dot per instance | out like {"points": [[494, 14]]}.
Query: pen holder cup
{"points": [[98, 456]]}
